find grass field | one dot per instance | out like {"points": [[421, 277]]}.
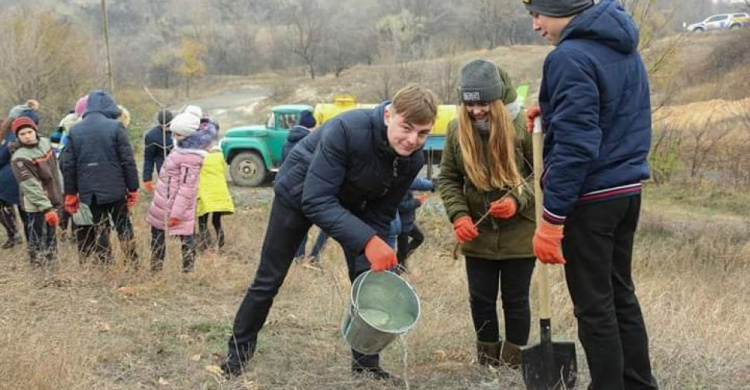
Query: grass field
{"points": [[92, 328]]}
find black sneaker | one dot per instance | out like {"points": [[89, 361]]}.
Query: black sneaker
{"points": [[232, 368], [12, 241], [376, 373]]}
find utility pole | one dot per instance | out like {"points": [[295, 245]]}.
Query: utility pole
{"points": [[105, 25]]}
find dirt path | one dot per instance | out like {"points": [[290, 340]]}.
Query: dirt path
{"points": [[235, 106]]}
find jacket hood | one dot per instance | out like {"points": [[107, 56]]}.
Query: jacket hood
{"points": [[509, 91], [202, 139], [101, 102], [297, 133], [510, 96], [606, 23]]}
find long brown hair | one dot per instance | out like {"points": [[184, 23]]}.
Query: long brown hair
{"points": [[499, 169]]}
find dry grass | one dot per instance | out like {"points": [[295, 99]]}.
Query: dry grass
{"points": [[86, 327], [703, 114]]}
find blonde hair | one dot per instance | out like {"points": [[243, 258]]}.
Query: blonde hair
{"points": [[124, 117], [499, 169], [415, 104]]}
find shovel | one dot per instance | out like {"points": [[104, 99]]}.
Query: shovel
{"points": [[547, 365]]}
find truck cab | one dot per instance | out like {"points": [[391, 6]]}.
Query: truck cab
{"points": [[254, 151]]}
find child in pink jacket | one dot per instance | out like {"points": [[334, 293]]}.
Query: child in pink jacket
{"points": [[173, 207]]}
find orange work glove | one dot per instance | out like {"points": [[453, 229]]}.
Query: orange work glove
{"points": [[132, 199], [148, 186], [464, 229], [532, 113], [422, 199], [71, 204], [52, 218], [173, 222], [504, 208], [548, 243], [380, 255]]}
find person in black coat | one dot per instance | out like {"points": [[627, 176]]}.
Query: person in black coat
{"points": [[99, 170], [302, 129], [348, 178], [158, 144], [304, 126]]}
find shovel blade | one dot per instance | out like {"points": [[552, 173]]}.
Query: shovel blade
{"points": [[549, 365]]}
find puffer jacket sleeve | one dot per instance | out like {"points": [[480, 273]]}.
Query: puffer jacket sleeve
{"points": [[149, 153], [4, 153], [408, 204], [70, 168], [127, 161], [421, 184], [451, 177], [323, 181], [575, 125]]}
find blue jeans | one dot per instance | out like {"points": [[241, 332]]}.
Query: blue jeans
{"points": [[394, 231], [42, 243]]}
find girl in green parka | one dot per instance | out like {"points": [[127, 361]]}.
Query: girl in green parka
{"points": [[485, 170]]}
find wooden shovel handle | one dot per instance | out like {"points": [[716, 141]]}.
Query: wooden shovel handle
{"points": [[544, 289]]}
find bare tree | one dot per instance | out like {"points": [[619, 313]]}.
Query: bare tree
{"points": [[306, 20], [43, 58]]}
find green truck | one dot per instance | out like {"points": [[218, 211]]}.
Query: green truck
{"points": [[254, 151]]}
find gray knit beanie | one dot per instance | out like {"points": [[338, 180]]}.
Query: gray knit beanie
{"points": [[480, 82], [557, 8]]}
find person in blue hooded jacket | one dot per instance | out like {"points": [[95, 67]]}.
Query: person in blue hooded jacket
{"points": [[157, 145], [410, 237], [596, 113], [348, 178], [99, 170], [9, 199]]}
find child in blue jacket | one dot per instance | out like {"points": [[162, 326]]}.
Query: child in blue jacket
{"points": [[411, 237]]}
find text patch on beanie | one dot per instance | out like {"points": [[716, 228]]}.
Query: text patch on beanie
{"points": [[472, 96]]}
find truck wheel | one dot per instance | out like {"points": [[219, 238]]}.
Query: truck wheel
{"points": [[732, 27], [247, 169], [698, 30]]}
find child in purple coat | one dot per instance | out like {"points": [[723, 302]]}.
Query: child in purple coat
{"points": [[173, 207]]}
